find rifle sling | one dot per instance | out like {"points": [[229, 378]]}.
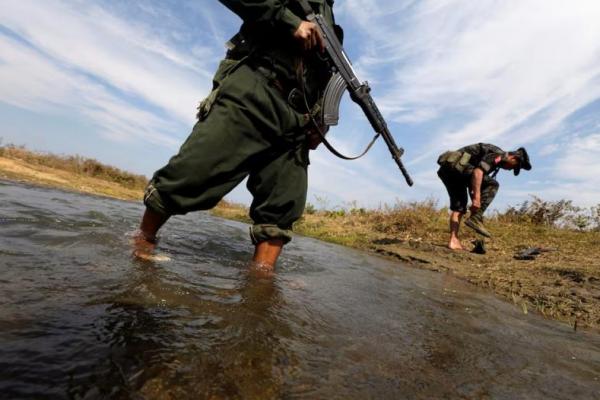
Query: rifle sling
{"points": [[340, 155]]}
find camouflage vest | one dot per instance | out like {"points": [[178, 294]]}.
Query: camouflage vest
{"points": [[465, 159]]}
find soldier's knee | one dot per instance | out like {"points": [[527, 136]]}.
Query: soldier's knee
{"points": [[491, 187]]}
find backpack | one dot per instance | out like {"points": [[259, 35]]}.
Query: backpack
{"points": [[454, 160]]}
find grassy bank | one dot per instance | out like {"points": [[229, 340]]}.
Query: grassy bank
{"points": [[563, 283], [69, 172]]}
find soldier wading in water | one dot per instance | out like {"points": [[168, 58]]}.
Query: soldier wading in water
{"points": [[251, 126], [473, 168]]}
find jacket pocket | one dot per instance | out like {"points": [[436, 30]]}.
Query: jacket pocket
{"points": [[226, 67]]}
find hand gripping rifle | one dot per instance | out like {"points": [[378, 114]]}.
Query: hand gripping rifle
{"points": [[344, 78]]}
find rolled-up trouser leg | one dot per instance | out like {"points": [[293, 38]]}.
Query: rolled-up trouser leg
{"points": [[279, 191]]}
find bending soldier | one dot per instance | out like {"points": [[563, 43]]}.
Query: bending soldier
{"points": [[253, 124], [473, 168]]}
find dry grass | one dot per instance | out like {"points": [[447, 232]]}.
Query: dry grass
{"points": [[75, 164], [69, 172]]}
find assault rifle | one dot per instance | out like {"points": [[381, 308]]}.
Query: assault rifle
{"points": [[344, 78]]}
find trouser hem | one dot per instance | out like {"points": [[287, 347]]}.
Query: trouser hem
{"points": [[263, 232]]}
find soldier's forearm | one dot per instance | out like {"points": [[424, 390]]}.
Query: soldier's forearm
{"points": [[476, 179]]}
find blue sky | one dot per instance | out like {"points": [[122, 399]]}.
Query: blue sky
{"points": [[119, 81]]}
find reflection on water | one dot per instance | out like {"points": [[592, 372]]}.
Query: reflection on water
{"points": [[80, 319]]}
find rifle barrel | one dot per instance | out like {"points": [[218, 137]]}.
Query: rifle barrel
{"points": [[359, 92]]}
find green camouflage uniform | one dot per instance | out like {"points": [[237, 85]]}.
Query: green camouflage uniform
{"points": [[458, 180], [247, 127]]}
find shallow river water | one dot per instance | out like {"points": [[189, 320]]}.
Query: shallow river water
{"points": [[80, 319]]}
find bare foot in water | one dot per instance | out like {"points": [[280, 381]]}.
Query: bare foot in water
{"points": [[143, 248]]}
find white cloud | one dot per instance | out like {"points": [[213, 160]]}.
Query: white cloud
{"points": [[499, 63], [84, 38], [549, 149], [580, 161], [507, 72], [32, 82]]}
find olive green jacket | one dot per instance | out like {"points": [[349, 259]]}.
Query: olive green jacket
{"points": [[269, 26], [483, 156]]}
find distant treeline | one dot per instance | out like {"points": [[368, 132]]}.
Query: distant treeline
{"points": [[75, 164]]}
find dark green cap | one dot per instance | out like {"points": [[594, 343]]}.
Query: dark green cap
{"points": [[523, 157]]}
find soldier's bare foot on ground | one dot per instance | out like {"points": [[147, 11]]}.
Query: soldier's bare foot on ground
{"points": [[455, 245]]}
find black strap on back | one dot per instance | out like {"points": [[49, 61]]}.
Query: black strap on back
{"points": [[493, 175]]}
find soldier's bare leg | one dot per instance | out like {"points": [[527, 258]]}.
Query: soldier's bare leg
{"points": [[454, 243], [144, 241], [267, 252]]}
